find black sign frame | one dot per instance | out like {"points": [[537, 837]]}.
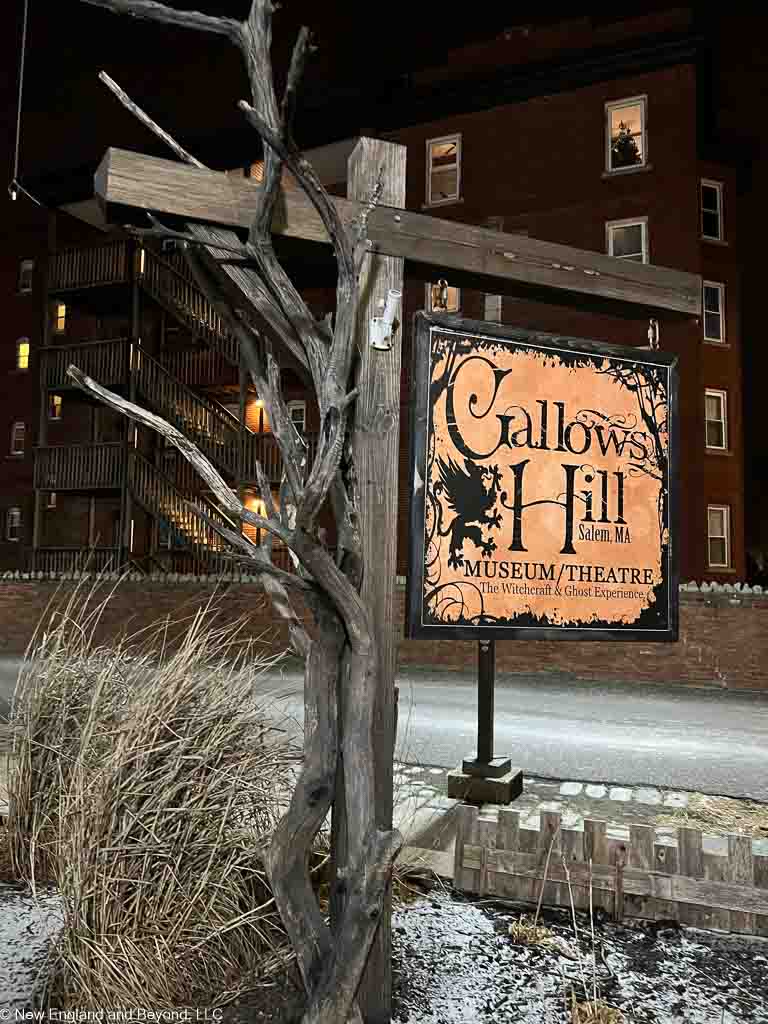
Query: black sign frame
{"points": [[424, 327]]}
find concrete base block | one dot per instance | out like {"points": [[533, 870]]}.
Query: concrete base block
{"points": [[474, 790]]}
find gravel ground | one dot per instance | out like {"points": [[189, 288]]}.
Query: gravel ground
{"points": [[454, 963]]}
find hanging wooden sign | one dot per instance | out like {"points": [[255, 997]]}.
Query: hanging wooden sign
{"points": [[543, 486]]}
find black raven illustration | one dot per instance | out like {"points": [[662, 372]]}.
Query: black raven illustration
{"points": [[468, 496]]}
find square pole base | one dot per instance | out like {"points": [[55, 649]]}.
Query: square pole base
{"points": [[493, 769], [473, 789]]}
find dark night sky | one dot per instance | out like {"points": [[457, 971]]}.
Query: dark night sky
{"points": [[364, 50]]}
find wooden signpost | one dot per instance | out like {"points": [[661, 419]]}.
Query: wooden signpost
{"points": [[214, 205]]}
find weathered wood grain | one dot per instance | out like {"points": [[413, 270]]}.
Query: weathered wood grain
{"points": [[376, 453], [698, 892], [127, 179], [508, 829], [690, 862], [665, 862], [466, 833], [761, 881], [741, 869]]}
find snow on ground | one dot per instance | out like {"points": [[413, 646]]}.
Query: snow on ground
{"points": [[455, 963]]}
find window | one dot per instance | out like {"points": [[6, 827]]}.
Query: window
{"points": [[712, 210], [22, 354], [713, 306], [298, 413], [59, 318], [50, 501], [442, 298], [628, 239], [716, 419], [54, 407], [26, 276], [18, 437], [625, 140], [13, 524], [443, 170], [719, 536]]}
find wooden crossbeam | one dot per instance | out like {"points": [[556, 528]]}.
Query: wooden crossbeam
{"points": [[515, 262]]}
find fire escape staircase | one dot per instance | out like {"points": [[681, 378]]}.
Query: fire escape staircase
{"points": [[233, 448], [187, 528], [169, 282]]}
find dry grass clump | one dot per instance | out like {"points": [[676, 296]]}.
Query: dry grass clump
{"points": [[720, 815], [526, 932], [594, 1011], [148, 780]]}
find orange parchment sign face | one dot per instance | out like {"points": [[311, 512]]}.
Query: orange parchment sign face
{"points": [[541, 487]]}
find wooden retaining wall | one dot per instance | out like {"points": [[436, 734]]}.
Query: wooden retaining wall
{"points": [[642, 878]]}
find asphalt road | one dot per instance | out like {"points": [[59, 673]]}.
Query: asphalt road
{"points": [[710, 741]]}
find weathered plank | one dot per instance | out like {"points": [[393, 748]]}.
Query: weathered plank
{"points": [[376, 452], [438, 861], [596, 850], [128, 179], [466, 833], [665, 862], [508, 829], [549, 853], [690, 862], [716, 870], [741, 869], [698, 892], [761, 881]]}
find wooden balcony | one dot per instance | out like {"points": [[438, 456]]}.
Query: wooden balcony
{"points": [[73, 559], [79, 467], [200, 368], [76, 268], [105, 361]]}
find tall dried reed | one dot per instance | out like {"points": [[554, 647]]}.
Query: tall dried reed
{"points": [[147, 781]]}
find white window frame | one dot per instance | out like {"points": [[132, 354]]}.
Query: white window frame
{"points": [[718, 186], [298, 403], [13, 524], [14, 435], [19, 343], [723, 397], [726, 510], [642, 102], [720, 288], [428, 298], [455, 138], [628, 222], [26, 271]]}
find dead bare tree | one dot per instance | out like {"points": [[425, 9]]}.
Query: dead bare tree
{"points": [[341, 657]]}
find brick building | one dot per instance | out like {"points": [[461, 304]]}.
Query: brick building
{"points": [[587, 133]]}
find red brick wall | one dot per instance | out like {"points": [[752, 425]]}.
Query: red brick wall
{"points": [[724, 635]]}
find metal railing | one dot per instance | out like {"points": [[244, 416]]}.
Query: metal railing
{"points": [[78, 467]]}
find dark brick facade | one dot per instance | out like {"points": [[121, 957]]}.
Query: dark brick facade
{"points": [[534, 163], [723, 635]]}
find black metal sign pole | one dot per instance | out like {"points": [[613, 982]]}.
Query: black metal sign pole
{"points": [[485, 765]]}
